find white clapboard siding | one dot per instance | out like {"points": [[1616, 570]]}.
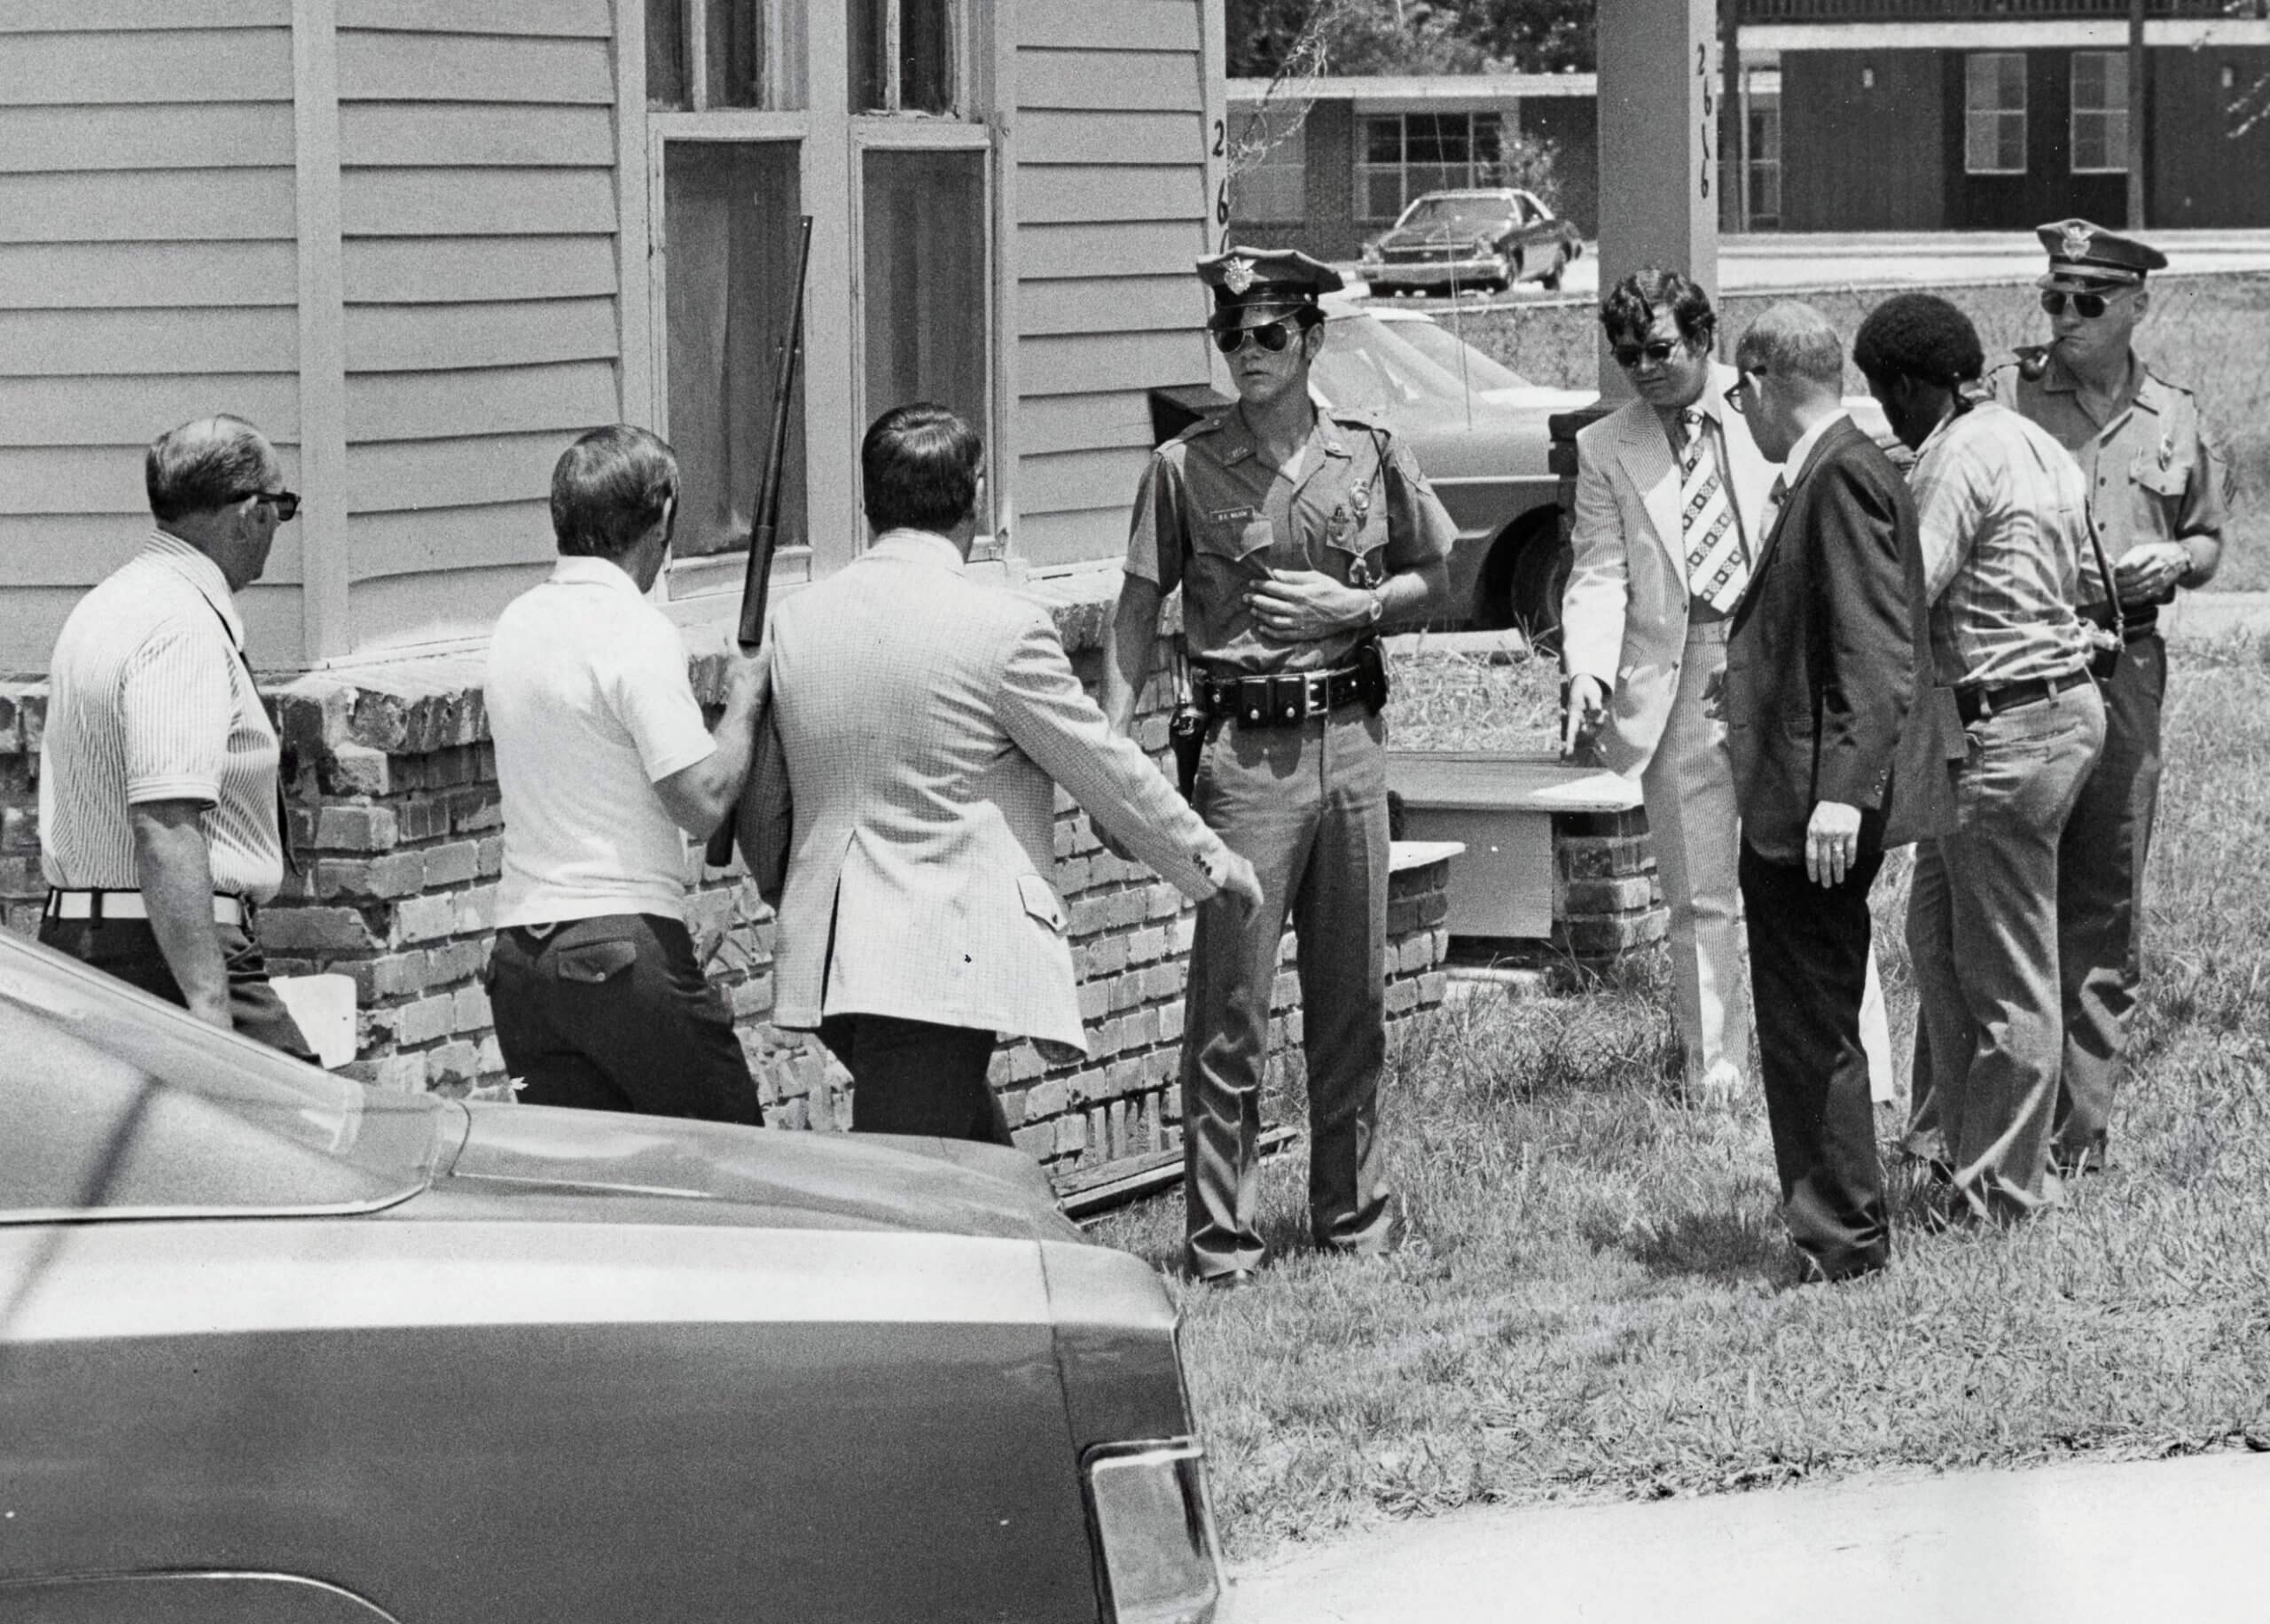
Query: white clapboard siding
{"points": [[133, 410], [1071, 480], [30, 616], [1053, 196], [1138, 249], [439, 540], [454, 270], [585, 19], [1131, 304], [174, 276], [1076, 535], [413, 134], [404, 475], [430, 202], [388, 406], [52, 343], [140, 205], [1087, 422], [35, 140], [1084, 364], [121, 16], [410, 338], [402, 613], [96, 69], [1110, 81], [1125, 24], [471, 68], [1053, 136]]}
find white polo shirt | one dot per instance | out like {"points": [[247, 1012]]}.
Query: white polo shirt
{"points": [[148, 699], [589, 706]]}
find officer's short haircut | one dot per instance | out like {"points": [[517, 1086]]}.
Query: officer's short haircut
{"points": [[1629, 311], [1919, 336], [205, 465], [1793, 340], [918, 469], [610, 489]]}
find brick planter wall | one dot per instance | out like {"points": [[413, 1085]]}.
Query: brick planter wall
{"points": [[393, 805]]}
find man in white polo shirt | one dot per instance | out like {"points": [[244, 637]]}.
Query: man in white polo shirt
{"points": [[158, 804], [603, 767]]}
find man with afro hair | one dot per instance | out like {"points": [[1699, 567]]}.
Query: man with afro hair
{"points": [[2003, 510]]}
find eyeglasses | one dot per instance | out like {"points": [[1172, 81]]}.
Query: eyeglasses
{"points": [[1734, 396], [285, 502], [2088, 306], [1657, 350], [1273, 337]]}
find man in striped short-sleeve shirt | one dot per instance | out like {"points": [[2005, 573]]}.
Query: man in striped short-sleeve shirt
{"points": [[158, 772], [2003, 512]]}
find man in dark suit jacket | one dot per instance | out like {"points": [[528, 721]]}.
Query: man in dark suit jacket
{"points": [[1828, 656]]}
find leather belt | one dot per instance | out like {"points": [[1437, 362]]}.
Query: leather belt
{"points": [[1279, 701], [1970, 704], [101, 905]]}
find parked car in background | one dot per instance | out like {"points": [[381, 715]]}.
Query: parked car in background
{"points": [[276, 1346], [1448, 242], [1481, 432]]}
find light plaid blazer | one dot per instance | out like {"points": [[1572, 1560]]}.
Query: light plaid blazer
{"points": [[1623, 614], [901, 812]]}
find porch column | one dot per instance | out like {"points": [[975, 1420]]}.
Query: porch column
{"points": [[1658, 145]]}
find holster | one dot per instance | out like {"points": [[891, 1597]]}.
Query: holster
{"points": [[1186, 738], [1371, 660]]}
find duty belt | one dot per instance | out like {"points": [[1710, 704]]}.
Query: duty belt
{"points": [[1279, 701], [1970, 704]]}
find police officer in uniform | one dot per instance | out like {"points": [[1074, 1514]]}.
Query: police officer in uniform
{"points": [[1296, 533], [2156, 495]]}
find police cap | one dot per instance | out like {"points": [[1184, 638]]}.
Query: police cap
{"points": [[1256, 286], [2085, 257]]}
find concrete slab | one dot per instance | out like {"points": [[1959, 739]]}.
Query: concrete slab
{"points": [[2084, 1543]]}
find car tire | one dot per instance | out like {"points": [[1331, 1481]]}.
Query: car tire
{"points": [[1550, 280], [1534, 575]]}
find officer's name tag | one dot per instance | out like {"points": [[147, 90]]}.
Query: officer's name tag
{"points": [[1230, 516]]}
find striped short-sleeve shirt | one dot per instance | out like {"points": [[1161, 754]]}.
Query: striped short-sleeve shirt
{"points": [[2004, 513], [148, 699]]}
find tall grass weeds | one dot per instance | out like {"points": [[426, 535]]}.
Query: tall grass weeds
{"points": [[1598, 1299]]}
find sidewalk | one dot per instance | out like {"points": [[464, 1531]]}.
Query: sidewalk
{"points": [[2066, 1544]]}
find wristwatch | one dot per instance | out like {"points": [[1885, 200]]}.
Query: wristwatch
{"points": [[1379, 608]]}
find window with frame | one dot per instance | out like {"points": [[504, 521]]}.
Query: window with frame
{"points": [[1406, 155], [704, 54], [2100, 112], [1761, 160], [1993, 112], [909, 56], [1273, 187]]}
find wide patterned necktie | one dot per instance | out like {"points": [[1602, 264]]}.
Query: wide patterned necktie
{"points": [[1716, 568]]}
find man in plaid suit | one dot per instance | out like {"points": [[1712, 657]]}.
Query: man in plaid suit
{"points": [[900, 816]]}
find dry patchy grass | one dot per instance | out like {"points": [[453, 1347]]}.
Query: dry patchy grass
{"points": [[1597, 1302]]}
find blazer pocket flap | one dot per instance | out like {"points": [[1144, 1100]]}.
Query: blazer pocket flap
{"points": [[1039, 900], [592, 962]]}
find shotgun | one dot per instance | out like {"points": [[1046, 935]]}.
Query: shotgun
{"points": [[756, 579]]}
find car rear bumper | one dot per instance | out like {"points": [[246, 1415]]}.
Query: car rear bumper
{"points": [[1435, 273]]}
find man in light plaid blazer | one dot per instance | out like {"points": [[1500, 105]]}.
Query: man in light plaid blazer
{"points": [[900, 814]]}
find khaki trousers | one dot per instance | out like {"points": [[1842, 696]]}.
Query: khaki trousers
{"points": [[1307, 806]]}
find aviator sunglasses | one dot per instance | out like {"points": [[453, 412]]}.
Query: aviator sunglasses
{"points": [[2088, 306], [1272, 338]]}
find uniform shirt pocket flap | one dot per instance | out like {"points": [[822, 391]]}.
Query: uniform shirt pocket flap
{"points": [[1039, 900], [2166, 478], [593, 961], [1234, 533]]}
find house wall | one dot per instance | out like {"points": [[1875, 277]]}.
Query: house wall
{"points": [[1856, 157], [148, 274], [1113, 205], [478, 214], [2207, 169]]}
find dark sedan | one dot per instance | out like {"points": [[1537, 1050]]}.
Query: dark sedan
{"points": [[1450, 242], [279, 1348]]}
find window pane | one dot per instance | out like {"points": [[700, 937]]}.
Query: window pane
{"points": [[1383, 140], [730, 223], [1487, 134], [870, 70], [2012, 66], [1382, 194], [1424, 134], [2088, 141], [2088, 80], [926, 80], [2012, 144], [923, 292], [666, 53], [755, 52]]}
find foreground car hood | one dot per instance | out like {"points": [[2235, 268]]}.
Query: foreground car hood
{"points": [[756, 1177]]}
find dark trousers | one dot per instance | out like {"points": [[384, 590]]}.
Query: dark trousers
{"points": [[1808, 972], [917, 1077], [2100, 898], [614, 1014], [128, 949]]}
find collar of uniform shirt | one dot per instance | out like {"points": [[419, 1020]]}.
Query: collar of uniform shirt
{"points": [[202, 573]]}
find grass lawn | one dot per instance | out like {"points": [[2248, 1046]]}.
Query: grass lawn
{"points": [[1597, 1299]]}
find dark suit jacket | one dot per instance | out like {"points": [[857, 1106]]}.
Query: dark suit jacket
{"points": [[1829, 662]]}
